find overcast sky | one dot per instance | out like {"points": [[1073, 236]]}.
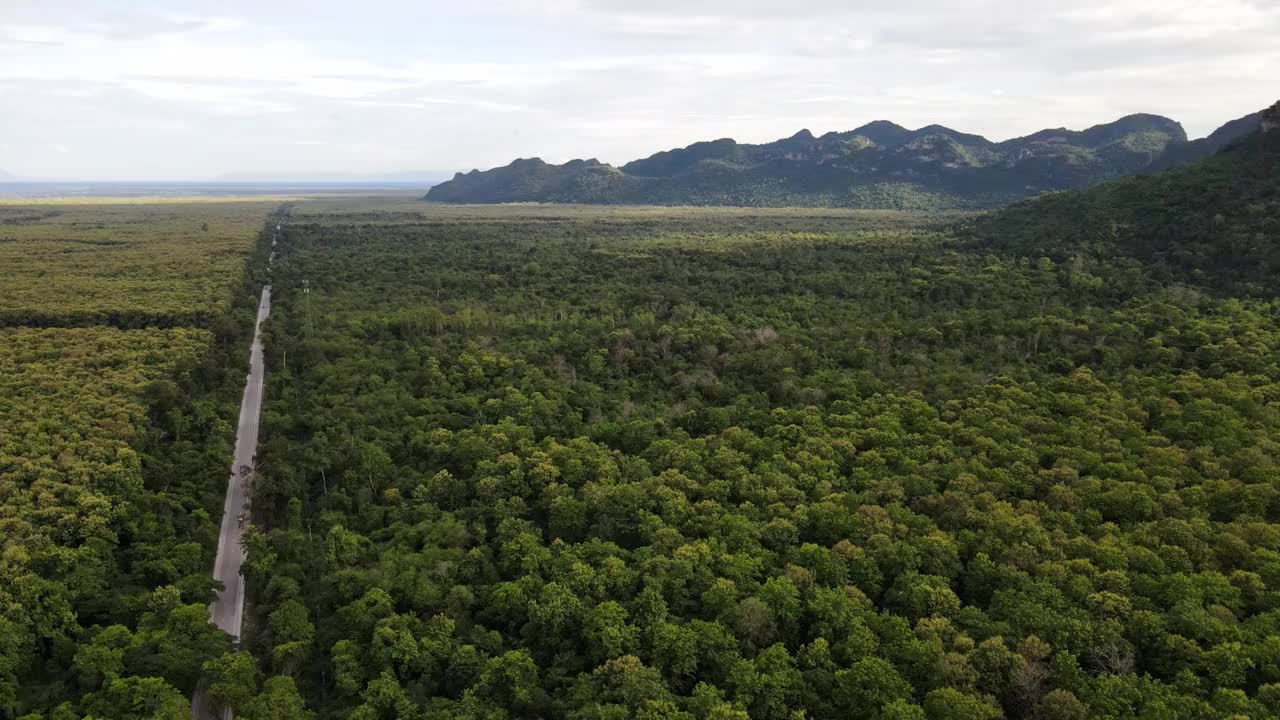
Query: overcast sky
{"points": [[186, 90]]}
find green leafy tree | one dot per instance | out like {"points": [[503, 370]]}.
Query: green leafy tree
{"points": [[608, 633], [101, 660], [136, 698], [279, 700], [233, 680], [870, 683], [951, 704]]}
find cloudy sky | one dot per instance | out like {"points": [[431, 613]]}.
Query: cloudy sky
{"points": [[194, 90]]}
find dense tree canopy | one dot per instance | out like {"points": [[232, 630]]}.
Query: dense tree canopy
{"points": [[113, 447], [1212, 223], [521, 463], [690, 464]]}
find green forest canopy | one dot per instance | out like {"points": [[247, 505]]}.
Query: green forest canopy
{"points": [[562, 463], [120, 374], [532, 462]]}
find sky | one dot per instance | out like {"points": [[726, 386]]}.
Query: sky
{"points": [[127, 90]]}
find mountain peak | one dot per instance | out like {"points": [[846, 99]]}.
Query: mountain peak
{"points": [[804, 135], [528, 162], [936, 130], [592, 162], [1271, 118], [1129, 124], [883, 132], [875, 125]]}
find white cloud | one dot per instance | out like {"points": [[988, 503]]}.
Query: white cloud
{"points": [[401, 85]]}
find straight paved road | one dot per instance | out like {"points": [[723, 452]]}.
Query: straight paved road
{"points": [[228, 609]]}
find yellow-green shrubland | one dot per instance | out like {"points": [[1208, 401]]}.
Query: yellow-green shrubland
{"points": [[123, 328], [126, 264]]}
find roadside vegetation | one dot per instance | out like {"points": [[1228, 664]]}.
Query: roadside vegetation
{"points": [[122, 350]]}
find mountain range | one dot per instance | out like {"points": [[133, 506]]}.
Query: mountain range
{"points": [[878, 165], [1213, 222]]}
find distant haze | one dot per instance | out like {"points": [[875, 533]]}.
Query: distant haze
{"points": [[409, 176], [416, 90]]}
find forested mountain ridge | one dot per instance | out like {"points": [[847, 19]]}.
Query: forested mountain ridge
{"points": [[1206, 146], [1213, 223], [878, 165]]}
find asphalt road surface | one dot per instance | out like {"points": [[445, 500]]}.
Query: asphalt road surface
{"points": [[228, 609]]}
